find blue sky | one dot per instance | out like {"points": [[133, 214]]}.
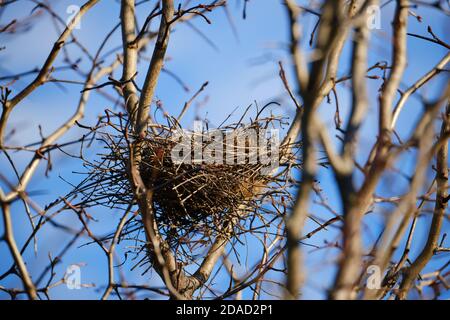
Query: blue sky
{"points": [[240, 71]]}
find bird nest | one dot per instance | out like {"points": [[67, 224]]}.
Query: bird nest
{"points": [[193, 197], [191, 193]]}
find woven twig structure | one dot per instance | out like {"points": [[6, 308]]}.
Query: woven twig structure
{"points": [[194, 199]]}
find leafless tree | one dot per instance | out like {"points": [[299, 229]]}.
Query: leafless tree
{"points": [[191, 240]]}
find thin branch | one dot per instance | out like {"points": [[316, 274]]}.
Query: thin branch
{"points": [[155, 67]]}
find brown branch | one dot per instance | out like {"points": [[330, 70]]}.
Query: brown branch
{"points": [[398, 65], [155, 67], [301, 71], [110, 254], [189, 103], [350, 261], [412, 272], [330, 39], [130, 51], [40, 78], [12, 245], [394, 229], [417, 85]]}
